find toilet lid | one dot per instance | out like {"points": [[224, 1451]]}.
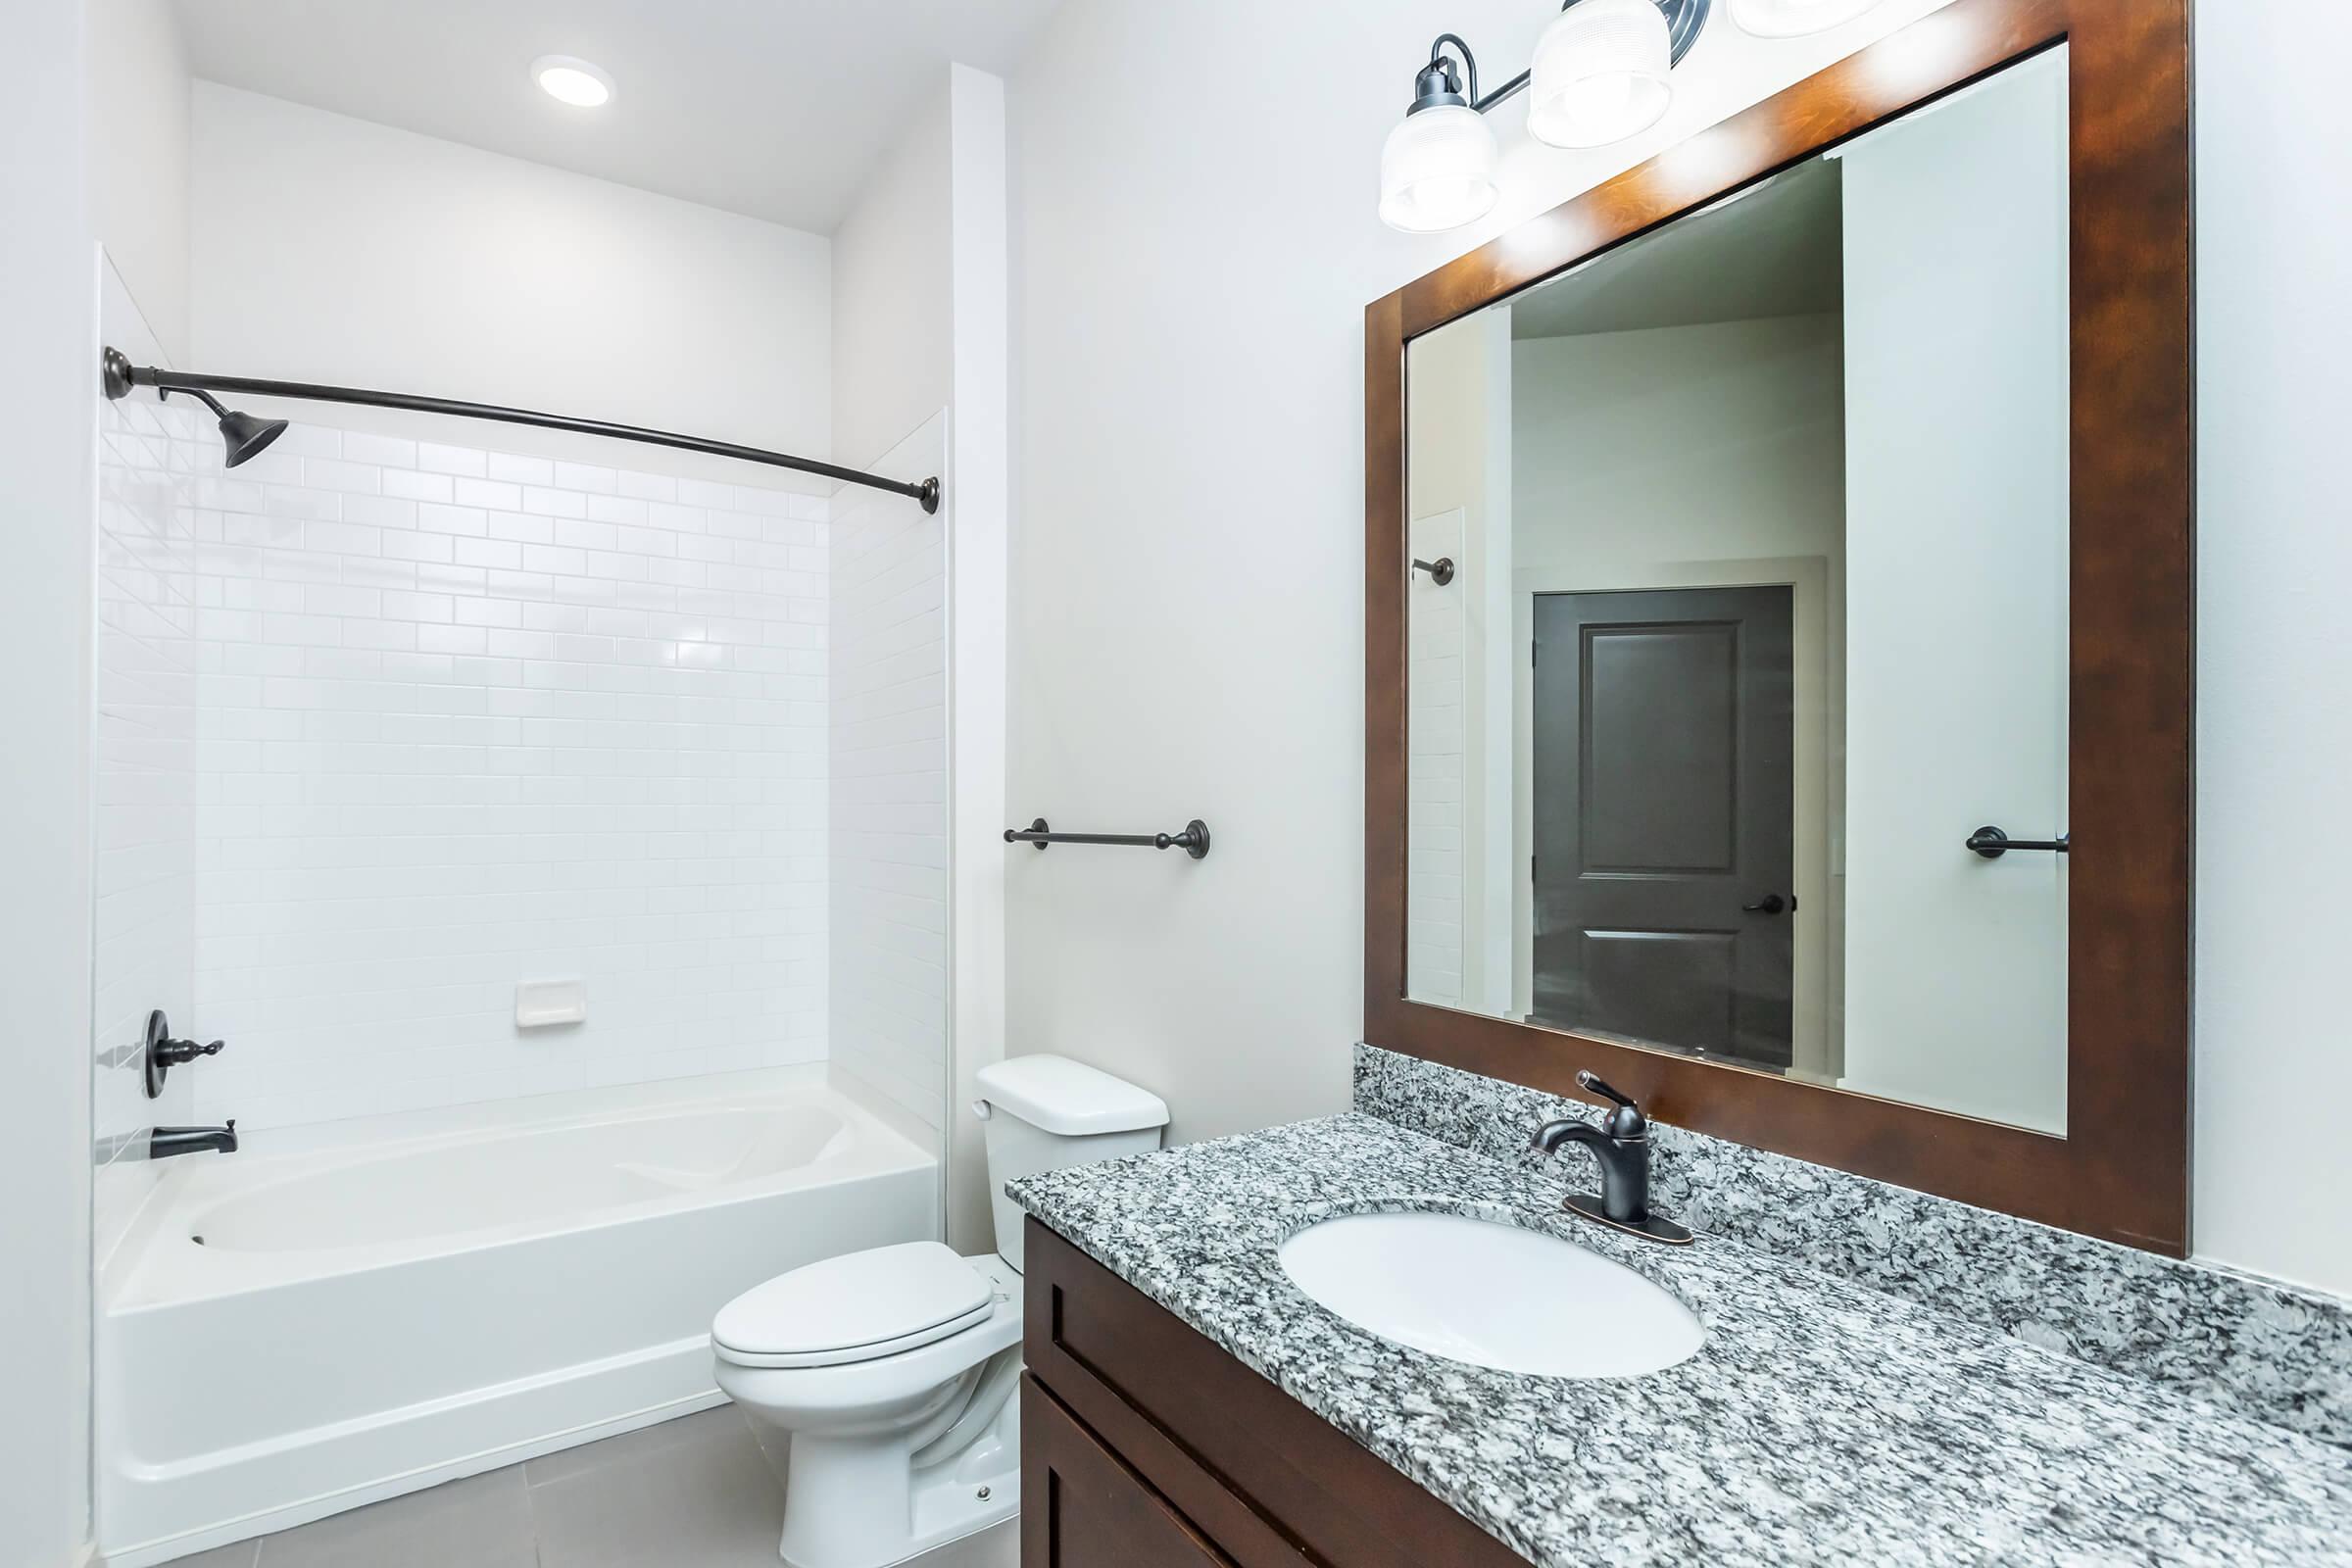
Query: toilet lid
{"points": [[880, 1301]]}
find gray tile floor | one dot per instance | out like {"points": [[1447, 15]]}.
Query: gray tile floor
{"points": [[694, 1493]]}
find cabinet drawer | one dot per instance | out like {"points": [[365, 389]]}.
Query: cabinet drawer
{"points": [[1265, 1478], [1082, 1509]]}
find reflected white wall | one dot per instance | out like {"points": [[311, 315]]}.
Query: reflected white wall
{"points": [[1957, 430]]}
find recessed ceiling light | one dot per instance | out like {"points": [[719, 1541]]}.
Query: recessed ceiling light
{"points": [[572, 80]]}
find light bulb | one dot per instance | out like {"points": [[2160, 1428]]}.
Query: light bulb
{"points": [[1436, 170], [1600, 74]]}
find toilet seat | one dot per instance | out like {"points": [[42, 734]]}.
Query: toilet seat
{"points": [[862, 1306]]}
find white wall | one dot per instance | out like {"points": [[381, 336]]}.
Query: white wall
{"points": [[151, 456], [919, 329], [1449, 517], [889, 879], [1188, 560], [894, 293], [138, 110], [1957, 610], [470, 719], [1437, 767], [1679, 444], [1460, 508], [2274, 728], [329, 249], [979, 469], [48, 425]]}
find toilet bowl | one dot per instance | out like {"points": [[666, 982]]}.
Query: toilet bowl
{"points": [[882, 1384], [896, 1444]]}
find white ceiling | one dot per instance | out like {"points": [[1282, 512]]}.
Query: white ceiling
{"points": [[773, 107], [1776, 250]]}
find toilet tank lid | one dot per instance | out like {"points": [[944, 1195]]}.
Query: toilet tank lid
{"points": [[1069, 1097]]}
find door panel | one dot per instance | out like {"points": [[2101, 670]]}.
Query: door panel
{"points": [[1683, 982], [1659, 797], [1081, 1507], [1664, 782]]}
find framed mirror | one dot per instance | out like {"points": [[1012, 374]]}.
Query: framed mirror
{"points": [[1778, 626]]}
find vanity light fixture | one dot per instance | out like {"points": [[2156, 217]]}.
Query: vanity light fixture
{"points": [[1602, 71], [1437, 171], [569, 79]]}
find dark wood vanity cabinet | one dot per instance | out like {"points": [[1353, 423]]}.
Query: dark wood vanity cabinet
{"points": [[1145, 1445], [1084, 1505]]}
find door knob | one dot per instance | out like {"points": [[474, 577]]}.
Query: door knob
{"points": [[1770, 904]]}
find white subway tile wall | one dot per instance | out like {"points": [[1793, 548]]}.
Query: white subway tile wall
{"points": [[890, 893], [470, 719], [144, 737]]}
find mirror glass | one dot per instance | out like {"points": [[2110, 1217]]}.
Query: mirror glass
{"points": [[1738, 612]]}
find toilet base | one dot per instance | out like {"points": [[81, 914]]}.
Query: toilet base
{"points": [[879, 1509], [976, 1517]]}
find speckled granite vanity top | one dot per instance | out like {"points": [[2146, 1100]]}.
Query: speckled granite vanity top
{"points": [[1823, 1422]]}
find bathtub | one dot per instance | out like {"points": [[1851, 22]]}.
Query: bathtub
{"points": [[333, 1316]]}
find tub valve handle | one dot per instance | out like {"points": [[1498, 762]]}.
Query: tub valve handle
{"points": [[165, 1052], [178, 1052]]}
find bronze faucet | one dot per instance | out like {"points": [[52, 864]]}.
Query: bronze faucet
{"points": [[1621, 1148]]}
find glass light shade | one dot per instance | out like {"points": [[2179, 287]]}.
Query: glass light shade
{"points": [[1792, 18], [1438, 170], [1600, 74]]}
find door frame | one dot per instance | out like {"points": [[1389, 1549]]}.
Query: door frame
{"points": [[1813, 1041], [2122, 1171]]}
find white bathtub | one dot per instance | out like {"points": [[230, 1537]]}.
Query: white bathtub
{"points": [[381, 1305]]}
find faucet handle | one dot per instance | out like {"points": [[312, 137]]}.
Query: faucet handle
{"points": [[180, 1052], [1627, 1120]]}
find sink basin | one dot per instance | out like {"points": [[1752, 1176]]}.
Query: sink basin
{"points": [[1492, 1294]]}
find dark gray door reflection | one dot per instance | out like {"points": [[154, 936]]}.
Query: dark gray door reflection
{"points": [[1664, 877]]}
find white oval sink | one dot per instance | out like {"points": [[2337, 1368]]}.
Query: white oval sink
{"points": [[1495, 1296]]}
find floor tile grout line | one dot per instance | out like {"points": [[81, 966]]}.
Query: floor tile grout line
{"points": [[530, 1506]]}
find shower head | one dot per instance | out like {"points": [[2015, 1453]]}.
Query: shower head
{"points": [[242, 436]]}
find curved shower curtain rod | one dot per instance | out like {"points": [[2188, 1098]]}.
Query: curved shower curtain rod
{"points": [[120, 376]]}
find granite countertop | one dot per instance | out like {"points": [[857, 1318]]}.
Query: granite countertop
{"points": [[1823, 1422]]}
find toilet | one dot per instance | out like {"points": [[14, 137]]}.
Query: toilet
{"points": [[881, 1383]]}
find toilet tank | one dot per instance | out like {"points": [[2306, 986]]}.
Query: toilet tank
{"points": [[1043, 1112]]}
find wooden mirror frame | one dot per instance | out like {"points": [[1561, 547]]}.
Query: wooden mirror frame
{"points": [[2122, 1171]]}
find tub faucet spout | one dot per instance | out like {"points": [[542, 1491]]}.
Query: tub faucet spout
{"points": [[165, 1142]]}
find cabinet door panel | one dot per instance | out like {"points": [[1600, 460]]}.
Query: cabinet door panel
{"points": [[1082, 1509], [1271, 1482]]}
